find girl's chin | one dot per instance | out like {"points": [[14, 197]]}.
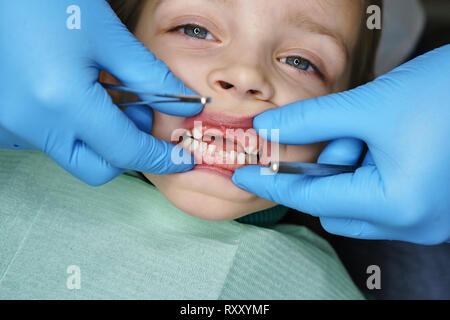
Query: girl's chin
{"points": [[213, 182], [208, 193]]}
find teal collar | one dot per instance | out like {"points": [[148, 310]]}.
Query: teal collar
{"points": [[265, 218]]}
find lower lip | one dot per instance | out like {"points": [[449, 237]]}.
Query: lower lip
{"points": [[215, 170]]}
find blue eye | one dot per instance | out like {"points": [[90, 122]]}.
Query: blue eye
{"points": [[195, 31], [299, 63], [302, 65]]}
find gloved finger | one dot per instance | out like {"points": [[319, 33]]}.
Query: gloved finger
{"points": [[280, 188], [339, 115], [110, 133], [344, 151], [142, 117], [9, 140], [354, 196], [85, 164], [122, 55], [368, 159], [353, 228]]}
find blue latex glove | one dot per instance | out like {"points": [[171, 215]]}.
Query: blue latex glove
{"points": [[402, 191], [51, 100]]}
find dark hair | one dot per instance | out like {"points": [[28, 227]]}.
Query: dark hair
{"points": [[363, 69], [128, 11]]}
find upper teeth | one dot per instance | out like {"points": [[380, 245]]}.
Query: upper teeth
{"points": [[203, 146], [251, 149], [211, 149], [187, 142], [194, 146], [196, 134], [233, 155], [241, 158]]}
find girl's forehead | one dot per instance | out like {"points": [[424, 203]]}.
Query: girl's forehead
{"points": [[317, 7], [338, 20], [336, 16]]}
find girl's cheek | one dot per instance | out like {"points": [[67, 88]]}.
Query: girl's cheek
{"points": [[304, 153], [158, 125], [164, 125]]}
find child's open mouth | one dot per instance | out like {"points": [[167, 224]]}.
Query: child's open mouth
{"points": [[223, 146]]}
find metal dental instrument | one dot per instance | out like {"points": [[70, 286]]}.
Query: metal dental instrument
{"points": [[175, 98], [310, 169]]}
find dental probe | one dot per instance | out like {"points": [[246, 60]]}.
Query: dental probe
{"points": [[310, 169], [178, 98]]}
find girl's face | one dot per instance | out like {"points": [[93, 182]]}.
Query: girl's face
{"points": [[248, 56]]}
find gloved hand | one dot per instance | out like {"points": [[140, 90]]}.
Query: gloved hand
{"points": [[402, 191], [51, 100]]}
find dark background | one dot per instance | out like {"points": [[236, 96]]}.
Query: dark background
{"points": [[408, 271], [437, 31]]}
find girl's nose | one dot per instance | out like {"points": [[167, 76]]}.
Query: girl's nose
{"points": [[241, 81]]}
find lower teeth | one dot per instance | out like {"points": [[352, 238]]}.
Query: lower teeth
{"points": [[231, 157]]}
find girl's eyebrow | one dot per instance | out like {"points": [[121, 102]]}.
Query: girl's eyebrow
{"points": [[226, 3], [302, 21], [299, 20]]}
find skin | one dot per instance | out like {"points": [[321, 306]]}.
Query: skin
{"points": [[244, 47]]}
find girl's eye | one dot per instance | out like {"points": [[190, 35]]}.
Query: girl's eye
{"points": [[303, 65], [195, 31], [299, 63]]}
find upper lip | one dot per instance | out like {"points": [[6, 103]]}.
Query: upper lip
{"points": [[218, 119]]}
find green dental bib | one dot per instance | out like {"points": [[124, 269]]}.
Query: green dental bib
{"points": [[124, 240]]}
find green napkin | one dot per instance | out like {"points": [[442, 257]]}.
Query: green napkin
{"points": [[126, 241]]}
